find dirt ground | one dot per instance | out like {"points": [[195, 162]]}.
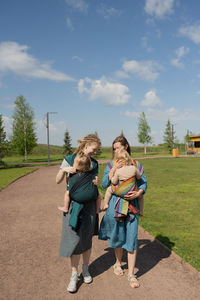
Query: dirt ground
{"points": [[32, 269]]}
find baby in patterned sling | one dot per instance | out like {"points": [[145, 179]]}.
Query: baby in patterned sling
{"points": [[124, 180]]}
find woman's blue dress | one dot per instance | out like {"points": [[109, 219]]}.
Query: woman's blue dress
{"points": [[120, 234]]}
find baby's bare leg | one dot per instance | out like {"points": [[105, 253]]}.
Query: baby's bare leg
{"points": [[98, 203], [141, 204], [65, 208], [107, 197]]}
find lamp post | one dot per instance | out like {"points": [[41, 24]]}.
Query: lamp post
{"points": [[48, 135]]}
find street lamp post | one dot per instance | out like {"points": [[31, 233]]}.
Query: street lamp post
{"points": [[48, 135]]}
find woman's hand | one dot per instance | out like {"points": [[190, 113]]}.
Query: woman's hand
{"points": [[96, 181], [133, 195]]}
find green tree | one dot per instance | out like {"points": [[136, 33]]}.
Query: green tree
{"points": [[67, 147], [24, 137], [122, 133], [3, 142], [169, 136], [187, 136], [144, 131], [187, 139]]}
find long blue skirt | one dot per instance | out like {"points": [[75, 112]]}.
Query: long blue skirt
{"points": [[119, 234]]}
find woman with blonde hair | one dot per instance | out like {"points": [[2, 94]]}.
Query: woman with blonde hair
{"points": [[77, 239]]}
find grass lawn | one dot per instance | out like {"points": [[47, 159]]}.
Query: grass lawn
{"points": [[172, 204], [32, 158], [9, 175]]}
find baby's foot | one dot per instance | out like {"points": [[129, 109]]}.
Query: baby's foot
{"points": [[64, 209]]}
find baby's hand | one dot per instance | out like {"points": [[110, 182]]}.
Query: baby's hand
{"points": [[70, 170]]}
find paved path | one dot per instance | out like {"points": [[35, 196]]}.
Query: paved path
{"points": [[31, 268]]}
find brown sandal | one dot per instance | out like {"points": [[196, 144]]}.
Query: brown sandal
{"points": [[118, 270], [134, 283]]}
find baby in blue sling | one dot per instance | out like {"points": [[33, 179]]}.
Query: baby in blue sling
{"points": [[81, 188]]}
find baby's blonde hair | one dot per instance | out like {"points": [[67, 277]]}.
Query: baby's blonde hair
{"points": [[83, 162], [89, 139], [123, 155]]}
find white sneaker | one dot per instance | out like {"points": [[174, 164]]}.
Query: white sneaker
{"points": [[87, 278], [72, 286]]}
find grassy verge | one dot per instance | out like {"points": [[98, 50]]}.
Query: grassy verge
{"points": [[172, 206], [9, 175], [39, 154]]}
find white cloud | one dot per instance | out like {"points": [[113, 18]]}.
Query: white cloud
{"points": [[144, 42], [69, 24], [198, 92], [132, 114], [77, 58], [121, 74], [14, 58], [108, 12], [159, 8], [180, 52], [146, 70], [80, 5], [172, 114], [7, 123], [192, 32], [112, 93], [176, 62], [151, 99]]}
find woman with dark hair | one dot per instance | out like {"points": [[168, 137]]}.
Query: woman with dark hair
{"points": [[122, 235]]}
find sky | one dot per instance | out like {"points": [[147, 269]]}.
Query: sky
{"points": [[96, 65]]}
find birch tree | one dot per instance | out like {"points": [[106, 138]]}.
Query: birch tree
{"points": [[24, 136], [144, 131]]}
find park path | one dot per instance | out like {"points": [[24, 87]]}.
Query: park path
{"points": [[31, 268]]}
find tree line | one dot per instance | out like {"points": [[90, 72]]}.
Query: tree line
{"points": [[24, 138]]}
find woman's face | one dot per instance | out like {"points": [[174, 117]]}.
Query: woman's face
{"points": [[91, 149], [118, 146]]}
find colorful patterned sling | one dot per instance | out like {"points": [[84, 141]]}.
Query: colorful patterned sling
{"points": [[123, 207]]}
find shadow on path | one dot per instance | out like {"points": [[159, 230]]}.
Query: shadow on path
{"points": [[150, 253]]}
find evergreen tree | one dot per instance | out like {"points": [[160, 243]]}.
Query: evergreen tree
{"points": [[144, 131], [187, 139], [3, 141], [24, 137], [67, 147], [169, 136], [122, 133]]}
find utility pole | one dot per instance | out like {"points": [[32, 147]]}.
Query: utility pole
{"points": [[172, 136], [48, 135]]}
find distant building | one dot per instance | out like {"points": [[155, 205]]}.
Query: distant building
{"points": [[193, 145]]}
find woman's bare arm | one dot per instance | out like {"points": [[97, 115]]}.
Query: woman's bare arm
{"points": [[60, 176]]}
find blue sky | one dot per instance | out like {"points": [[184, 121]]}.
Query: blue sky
{"points": [[99, 64]]}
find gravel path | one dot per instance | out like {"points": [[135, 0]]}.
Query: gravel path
{"points": [[31, 268]]}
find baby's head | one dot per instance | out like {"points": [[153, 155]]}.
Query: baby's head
{"points": [[82, 162], [123, 156]]}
